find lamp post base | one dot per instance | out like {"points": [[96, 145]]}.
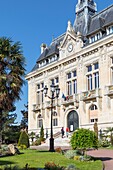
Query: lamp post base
{"points": [[51, 149]]}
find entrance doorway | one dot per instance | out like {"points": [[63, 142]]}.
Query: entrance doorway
{"points": [[73, 120]]}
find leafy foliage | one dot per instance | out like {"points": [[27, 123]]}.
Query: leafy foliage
{"points": [[71, 167], [24, 121], [109, 132], [84, 139], [71, 153], [42, 134], [24, 139], [53, 166], [12, 72]]}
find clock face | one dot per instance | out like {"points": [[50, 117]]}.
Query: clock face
{"points": [[70, 47]]}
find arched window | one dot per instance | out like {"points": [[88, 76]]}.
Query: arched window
{"points": [[93, 107], [54, 113], [93, 113]]}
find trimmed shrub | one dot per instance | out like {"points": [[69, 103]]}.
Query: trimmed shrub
{"points": [[84, 139], [23, 139]]}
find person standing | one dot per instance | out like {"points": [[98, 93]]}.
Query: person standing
{"points": [[62, 132], [67, 132]]}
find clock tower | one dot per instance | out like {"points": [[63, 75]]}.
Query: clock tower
{"points": [[85, 9]]}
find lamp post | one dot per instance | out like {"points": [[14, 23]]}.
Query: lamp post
{"points": [[53, 88]]}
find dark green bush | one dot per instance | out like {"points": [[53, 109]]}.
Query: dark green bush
{"points": [[23, 139]]}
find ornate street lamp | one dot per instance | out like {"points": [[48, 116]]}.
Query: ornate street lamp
{"points": [[53, 88]]}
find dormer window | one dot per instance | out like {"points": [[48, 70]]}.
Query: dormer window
{"points": [[47, 61], [110, 30]]}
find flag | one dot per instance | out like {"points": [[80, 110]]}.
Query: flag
{"points": [[64, 97]]}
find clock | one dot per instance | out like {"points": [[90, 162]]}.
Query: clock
{"points": [[70, 47]]}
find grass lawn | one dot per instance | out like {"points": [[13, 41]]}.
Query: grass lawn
{"points": [[36, 159]]}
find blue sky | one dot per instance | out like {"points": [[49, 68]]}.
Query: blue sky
{"points": [[33, 22]]}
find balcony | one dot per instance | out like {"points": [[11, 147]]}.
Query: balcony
{"points": [[36, 107], [90, 95], [70, 100], [55, 103], [109, 91]]}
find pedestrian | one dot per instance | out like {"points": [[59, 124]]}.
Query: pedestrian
{"points": [[62, 132], [67, 132]]}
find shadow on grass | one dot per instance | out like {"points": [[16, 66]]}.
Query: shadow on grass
{"points": [[102, 158], [6, 163], [42, 151]]}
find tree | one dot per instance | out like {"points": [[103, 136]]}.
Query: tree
{"points": [[83, 139], [23, 139], [24, 121], [42, 133], [12, 71], [10, 131]]}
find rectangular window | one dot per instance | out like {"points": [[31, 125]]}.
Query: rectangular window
{"points": [[40, 122], [38, 97], [68, 75], [89, 68], [98, 36], [96, 78], [89, 77], [92, 120], [111, 60], [75, 86], [92, 39], [42, 84], [38, 86], [57, 80], [55, 122], [74, 73], [42, 93], [112, 76], [52, 81], [96, 66], [69, 88]]}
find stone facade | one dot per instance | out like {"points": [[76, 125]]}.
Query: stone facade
{"points": [[82, 66]]}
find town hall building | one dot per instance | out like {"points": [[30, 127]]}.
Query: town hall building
{"points": [[80, 63]]}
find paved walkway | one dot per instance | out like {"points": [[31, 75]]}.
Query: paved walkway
{"points": [[105, 155]]}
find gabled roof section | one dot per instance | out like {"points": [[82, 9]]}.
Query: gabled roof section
{"points": [[70, 32], [100, 20], [52, 49]]}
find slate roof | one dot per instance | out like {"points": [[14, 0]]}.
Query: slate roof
{"points": [[97, 22], [49, 51], [101, 19]]}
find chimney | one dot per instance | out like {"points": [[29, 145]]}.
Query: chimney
{"points": [[43, 47]]}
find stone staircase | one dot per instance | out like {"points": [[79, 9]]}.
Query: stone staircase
{"points": [[64, 143]]}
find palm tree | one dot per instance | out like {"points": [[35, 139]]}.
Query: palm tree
{"points": [[12, 71], [109, 131]]}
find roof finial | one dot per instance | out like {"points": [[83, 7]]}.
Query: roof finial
{"points": [[69, 28]]}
